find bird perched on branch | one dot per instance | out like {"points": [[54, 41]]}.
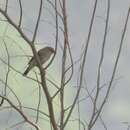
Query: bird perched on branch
{"points": [[44, 55]]}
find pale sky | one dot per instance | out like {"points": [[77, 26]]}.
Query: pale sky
{"points": [[117, 109]]}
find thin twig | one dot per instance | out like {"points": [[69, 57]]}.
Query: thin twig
{"points": [[21, 13], [56, 37], [38, 21], [54, 7], [39, 99], [114, 69], [8, 71], [21, 113], [64, 57], [100, 64], [83, 64], [10, 21], [6, 6], [19, 102]]}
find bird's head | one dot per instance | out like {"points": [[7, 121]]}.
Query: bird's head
{"points": [[46, 51], [51, 49]]}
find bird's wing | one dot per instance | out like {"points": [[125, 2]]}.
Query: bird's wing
{"points": [[41, 51]]}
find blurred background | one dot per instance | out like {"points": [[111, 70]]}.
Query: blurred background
{"points": [[116, 113]]}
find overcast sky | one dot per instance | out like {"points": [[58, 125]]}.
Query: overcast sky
{"points": [[117, 110]]}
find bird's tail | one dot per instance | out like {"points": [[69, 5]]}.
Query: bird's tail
{"points": [[26, 71]]}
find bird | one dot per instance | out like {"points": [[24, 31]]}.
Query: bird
{"points": [[44, 55]]}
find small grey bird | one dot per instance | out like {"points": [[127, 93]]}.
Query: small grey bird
{"points": [[44, 55]]}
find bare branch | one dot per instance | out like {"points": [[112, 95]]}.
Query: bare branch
{"points": [[115, 68], [20, 105], [7, 74], [6, 6], [54, 7], [39, 99], [15, 26], [21, 113], [64, 57], [100, 65], [17, 70], [38, 21], [57, 34], [83, 64], [21, 13]]}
